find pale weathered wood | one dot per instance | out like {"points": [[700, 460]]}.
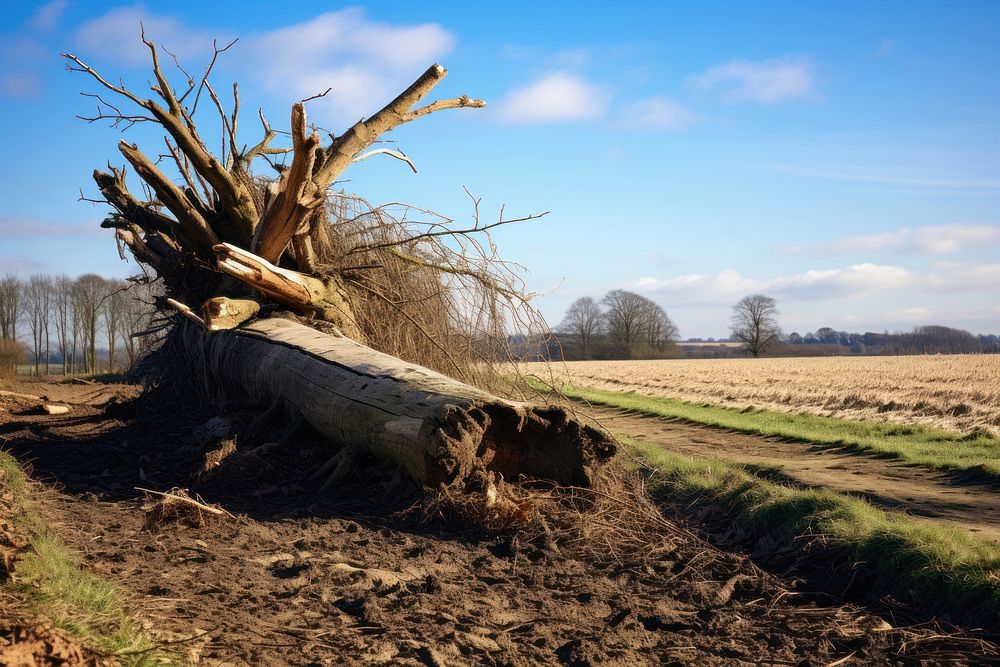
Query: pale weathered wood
{"points": [[297, 194], [220, 313], [303, 294], [438, 429]]}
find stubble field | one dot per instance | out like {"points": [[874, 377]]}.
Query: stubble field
{"points": [[955, 392]]}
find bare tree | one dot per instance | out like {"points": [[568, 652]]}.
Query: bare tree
{"points": [[754, 323], [623, 316], [10, 306], [112, 305], [635, 324], [660, 331], [137, 310], [62, 317], [583, 320], [37, 295], [88, 294]]}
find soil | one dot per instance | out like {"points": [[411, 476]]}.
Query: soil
{"points": [[939, 497], [35, 643], [294, 578]]}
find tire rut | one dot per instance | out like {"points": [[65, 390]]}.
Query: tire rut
{"points": [[921, 493]]}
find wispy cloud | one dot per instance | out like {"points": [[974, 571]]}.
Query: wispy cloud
{"points": [[25, 227], [46, 17], [905, 176], [885, 47], [21, 266], [559, 96], [23, 55], [929, 240], [964, 277], [730, 284], [374, 60], [657, 113], [115, 36], [760, 81], [914, 314]]}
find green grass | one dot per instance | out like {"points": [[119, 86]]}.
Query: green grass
{"points": [[54, 582], [977, 454], [946, 571]]}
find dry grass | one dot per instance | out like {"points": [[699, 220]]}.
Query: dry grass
{"points": [[955, 392]]}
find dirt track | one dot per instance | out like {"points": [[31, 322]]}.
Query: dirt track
{"points": [[297, 579], [925, 494]]}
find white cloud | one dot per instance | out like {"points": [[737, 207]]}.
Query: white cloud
{"points": [[929, 240], [914, 314], [762, 81], [22, 227], [374, 61], [20, 84], [21, 266], [21, 62], [116, 36], [559, 96], [729, 284], [365, 62], [46, 17], [964, 277], [657, 113], [903, 175]]}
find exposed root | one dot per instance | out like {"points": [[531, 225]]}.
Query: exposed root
{"points": [[489, 503], [342, 464]]}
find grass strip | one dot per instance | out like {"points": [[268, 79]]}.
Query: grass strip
{"points": [[975, 454], [56, 585], [944, 571]]}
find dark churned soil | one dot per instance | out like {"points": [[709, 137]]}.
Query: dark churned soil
{"points": [[292, 578]]}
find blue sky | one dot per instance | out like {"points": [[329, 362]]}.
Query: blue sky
{"points": [[843, 158]]}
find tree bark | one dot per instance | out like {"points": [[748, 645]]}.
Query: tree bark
{"points": [[439, 430]]}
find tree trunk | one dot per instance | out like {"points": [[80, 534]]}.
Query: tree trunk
{"points": [[437, 429]]}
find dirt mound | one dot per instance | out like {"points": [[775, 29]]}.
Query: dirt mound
{"points": [[38, 644], [303, 578]]}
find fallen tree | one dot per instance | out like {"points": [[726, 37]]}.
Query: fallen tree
{"points": [[405, 316]]}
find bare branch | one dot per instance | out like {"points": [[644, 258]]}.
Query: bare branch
{"points": [[80, 66], [216, 51], [454, 103], [316, 96], [343, 149], [399, 155], [185, 311], [191, 221]]}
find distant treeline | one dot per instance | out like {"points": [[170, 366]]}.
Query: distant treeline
{"points": [[931, 339], [824, 342], [83, 324]]}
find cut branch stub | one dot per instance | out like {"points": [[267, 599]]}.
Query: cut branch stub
{"points": [[221, 313], [299, 292], [298, 194]]}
